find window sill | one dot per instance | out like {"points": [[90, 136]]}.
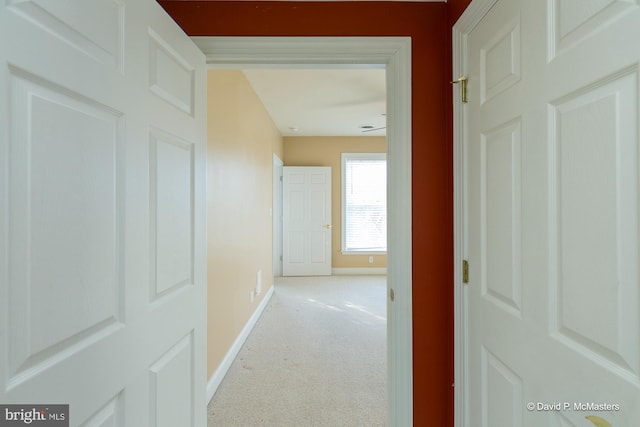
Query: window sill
{"points": [[363, 252]]}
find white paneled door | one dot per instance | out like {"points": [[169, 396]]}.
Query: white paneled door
{"points": [[102, 275], [306, 221], [552, 204]]}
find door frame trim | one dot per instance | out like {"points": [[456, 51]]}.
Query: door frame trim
{"points": [[471, 17], [393, 54], [276, 217]]}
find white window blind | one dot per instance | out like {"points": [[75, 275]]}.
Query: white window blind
{"points": [[364, 202]]}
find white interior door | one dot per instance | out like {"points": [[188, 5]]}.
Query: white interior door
{"points": [[306, 221], [102, 274], [552, 207]]}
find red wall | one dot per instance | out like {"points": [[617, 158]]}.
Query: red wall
{"points": [[456, 7], [428, 24]]}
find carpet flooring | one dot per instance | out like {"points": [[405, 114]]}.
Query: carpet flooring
{"points": [[316, 357]]}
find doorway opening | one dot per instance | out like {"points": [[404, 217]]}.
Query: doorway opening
{"points": [[394, 53]]}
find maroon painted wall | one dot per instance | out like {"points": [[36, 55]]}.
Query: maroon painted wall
{"points": [[456, 7], [429, 26]]}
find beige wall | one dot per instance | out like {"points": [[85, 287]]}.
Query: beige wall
{"points": [[326, 151], [241, 141]]}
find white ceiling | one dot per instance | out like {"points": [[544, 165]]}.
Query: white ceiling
{"points": [[327, 102]]}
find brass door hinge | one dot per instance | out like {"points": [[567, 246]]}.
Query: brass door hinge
{"points": [[463, 87], [465, 271]]}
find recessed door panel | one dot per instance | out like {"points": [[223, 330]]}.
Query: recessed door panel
{"points": [[596, 169], [500, 62], [95, 28], [172, 212], [171, 386], [501, 170], [571, 21], [502, 397], [65, 222], [171, 77]]}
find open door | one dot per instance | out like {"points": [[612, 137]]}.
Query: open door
{"points": [[306, 221], [102, 274], [552, 208]]}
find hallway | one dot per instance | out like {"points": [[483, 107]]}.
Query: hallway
{"points": [[317, 357]]}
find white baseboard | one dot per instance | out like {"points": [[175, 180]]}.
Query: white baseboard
{"points": [[221, 371], [378, 271]]}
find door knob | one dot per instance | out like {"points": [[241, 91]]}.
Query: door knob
{"points": [[328, 226]]}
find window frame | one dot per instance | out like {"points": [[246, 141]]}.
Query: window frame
{"points": [[343, 199]]}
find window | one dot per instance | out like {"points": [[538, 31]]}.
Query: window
{"points": [[364, 202]]}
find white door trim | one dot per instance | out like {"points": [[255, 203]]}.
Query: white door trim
{"points": [[393, 53], [474, 13], [276, 213]]}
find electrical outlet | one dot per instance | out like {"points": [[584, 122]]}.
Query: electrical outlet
{"points": [[371, 259]]}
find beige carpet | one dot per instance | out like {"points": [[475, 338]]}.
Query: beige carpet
{"points": [[317, 357]]}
